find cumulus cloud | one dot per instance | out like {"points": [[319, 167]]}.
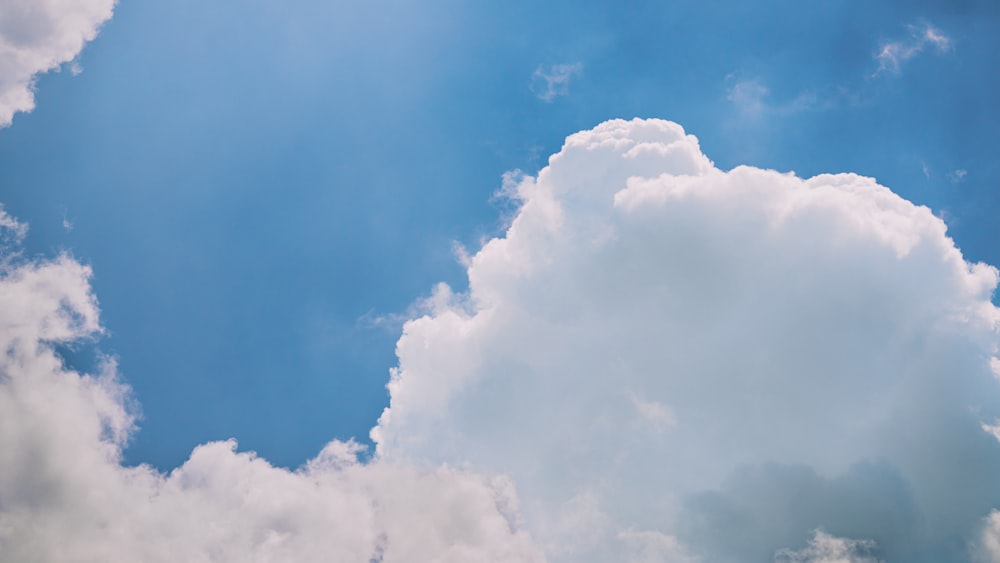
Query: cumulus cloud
{"points": [[658, 361], [552, 82], [37, 36], [816, 350], [893, 54], [66, 497]]}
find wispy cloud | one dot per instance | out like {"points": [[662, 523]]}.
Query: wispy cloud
{"points": [[552, 82], [751, 98], [748, 96], [893, 54]]}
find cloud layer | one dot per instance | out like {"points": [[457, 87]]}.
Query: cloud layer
{"points": [[720, 362], [37, 36]]}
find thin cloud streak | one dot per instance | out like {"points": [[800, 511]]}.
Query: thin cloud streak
{"points": [[893, 54]]}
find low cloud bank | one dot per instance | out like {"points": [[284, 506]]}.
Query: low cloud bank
{"points": [[65, 497]]}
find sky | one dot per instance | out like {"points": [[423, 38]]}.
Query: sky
{"points": [[451, 281]]}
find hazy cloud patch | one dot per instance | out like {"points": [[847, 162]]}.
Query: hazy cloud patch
{"points": [[549, 83]]}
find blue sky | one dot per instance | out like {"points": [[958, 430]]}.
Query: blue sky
{"points": [[263, 190], [248, 181]]}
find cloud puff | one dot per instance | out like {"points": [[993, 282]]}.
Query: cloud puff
{"points": [[893, 54], [990, 539], [37, 36], [824, 548], [65, 497], [817, 354], [548, 84]]}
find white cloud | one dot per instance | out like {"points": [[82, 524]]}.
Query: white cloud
{"points": [[548, 84], [65, 497], [893, 54], [824, 548], [37, 36], [990, 539], [810, 353], [823, 347], [11, 228]]}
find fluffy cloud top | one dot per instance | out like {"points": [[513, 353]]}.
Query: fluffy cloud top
{"points": [[37, 36], [660, 352]]}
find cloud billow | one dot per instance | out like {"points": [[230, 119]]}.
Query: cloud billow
{"points": [[819, 348]]}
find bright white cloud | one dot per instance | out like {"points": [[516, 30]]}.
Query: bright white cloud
{"points": [[893, 54], [37, 36], [65, 497], [667, 362], [818, 350], [552, 82]]}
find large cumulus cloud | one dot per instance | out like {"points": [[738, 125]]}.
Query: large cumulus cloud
{"points": [[37, 36], [720, 365], [665, 362], [65, 497]]}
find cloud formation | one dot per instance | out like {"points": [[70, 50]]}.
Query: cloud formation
{"points": [[37, 36], [893, 54], [659, 361], [65, 497], [724, 362], [548, 84]]}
